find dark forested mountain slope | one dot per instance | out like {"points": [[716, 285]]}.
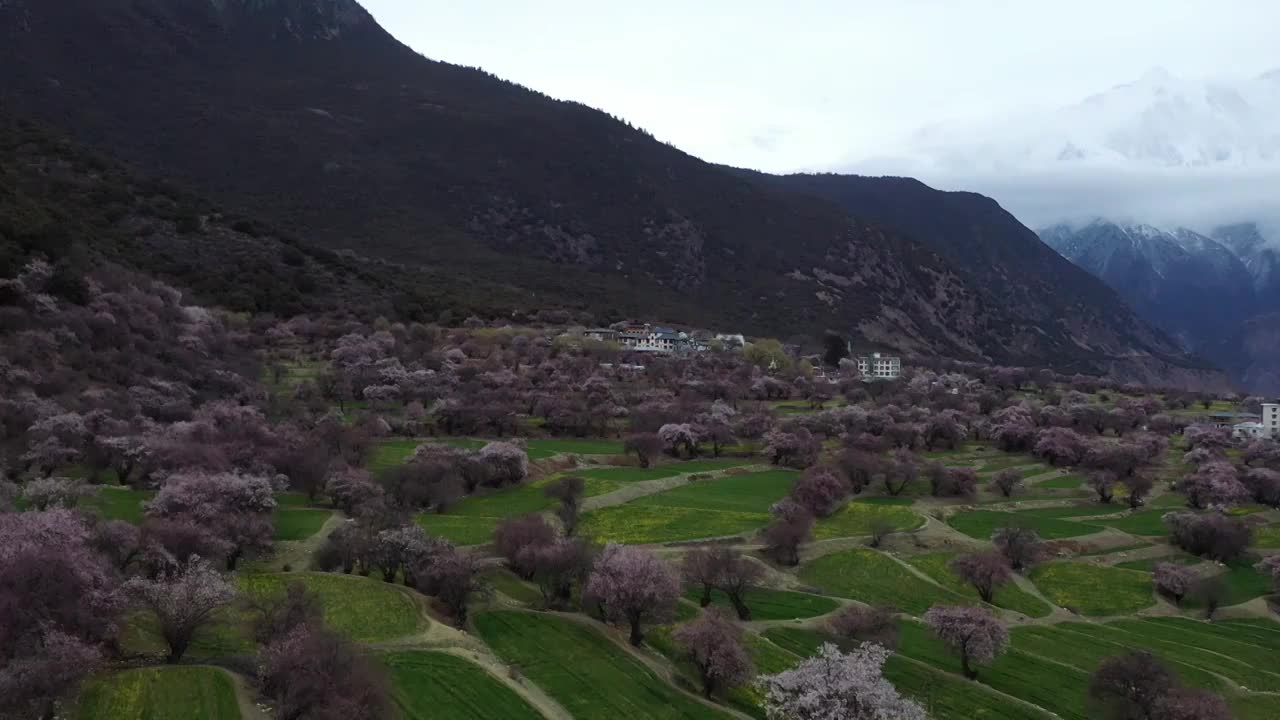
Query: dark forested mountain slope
{"points": [[991, 249], [308, 114], [1218, 293]]}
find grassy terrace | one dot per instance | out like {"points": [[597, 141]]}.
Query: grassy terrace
{"points": [[1009, 596], [730, 505], [857, 517], [439, 686], [584, 671], [159, 693], [876, 579], [770, 604], [363, 608]]}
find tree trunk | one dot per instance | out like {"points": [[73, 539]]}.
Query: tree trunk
{"points": [[705, 600], [964, 665], [232, 559], [744, 612], [177, 647], [636, 636]]}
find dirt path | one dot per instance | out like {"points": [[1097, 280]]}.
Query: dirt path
{"points": [[245, 696], [656, 664], [297, 554], [641, 488]]}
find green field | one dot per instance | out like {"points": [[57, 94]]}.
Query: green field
{"points": [[1094, 589], [1149, 564], [159, 693], [583, 670], [1267, 537], [770, 604], [440, 686], [729, 505], [364, 609], [1087, 653], [1066, 482], [115, 503], [1245, 664], [856, 517], [1055, 687], [876, 579], [1009, 596], [1147, 523], [509, 584], [1242, 582], [473, 520], [543, 448], [945, 696], [298, 523], [980, 524]]}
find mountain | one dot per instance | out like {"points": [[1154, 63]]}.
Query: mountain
{"points": [[1166, 150], [1156, 121], [1190, 285], [307, 114], [988, 246]]}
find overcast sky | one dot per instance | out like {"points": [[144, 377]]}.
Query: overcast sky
{"points": [[813, 85]]}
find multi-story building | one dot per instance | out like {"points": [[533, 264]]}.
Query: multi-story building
{"points": [[879, 367], [1271, 419], [657, 339]]}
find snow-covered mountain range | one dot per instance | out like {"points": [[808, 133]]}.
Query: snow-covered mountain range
{"points": [[1158, 121], [1219, 293], [1164, 150], [1185, 174]]}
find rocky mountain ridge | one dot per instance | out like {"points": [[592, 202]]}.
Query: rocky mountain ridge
{"points": [[309, 115]]}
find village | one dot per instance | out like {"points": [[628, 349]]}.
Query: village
{"points": [[646, 338]]}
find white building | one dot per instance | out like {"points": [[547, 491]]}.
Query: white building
{"points": [[1248, 430], [658, 339], [1270, 419], [879, 367]]}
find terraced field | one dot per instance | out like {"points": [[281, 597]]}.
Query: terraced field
{"points": [[593, 678], [724, 506], [440, 686], [874, 578], [362, 608], [159, 693]]}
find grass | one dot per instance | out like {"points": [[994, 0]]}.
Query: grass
{"points": [[945, 696], [770, 604], [855, 519], [658, 472], [390, 453], [543, 448], [1242, 582], [730, 505], [1087, 653], [1196, 649], [1057, 688], [876, 579], [473, 520], [114, 503], [1147, 523], [509, 584], [1066, 482], [1009, 596], [293, 523], [362, 608], [583, 670], [1149, 564], [980, 524], [440, 686], [159, 693], [1267, 537], [1094, 589]]}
